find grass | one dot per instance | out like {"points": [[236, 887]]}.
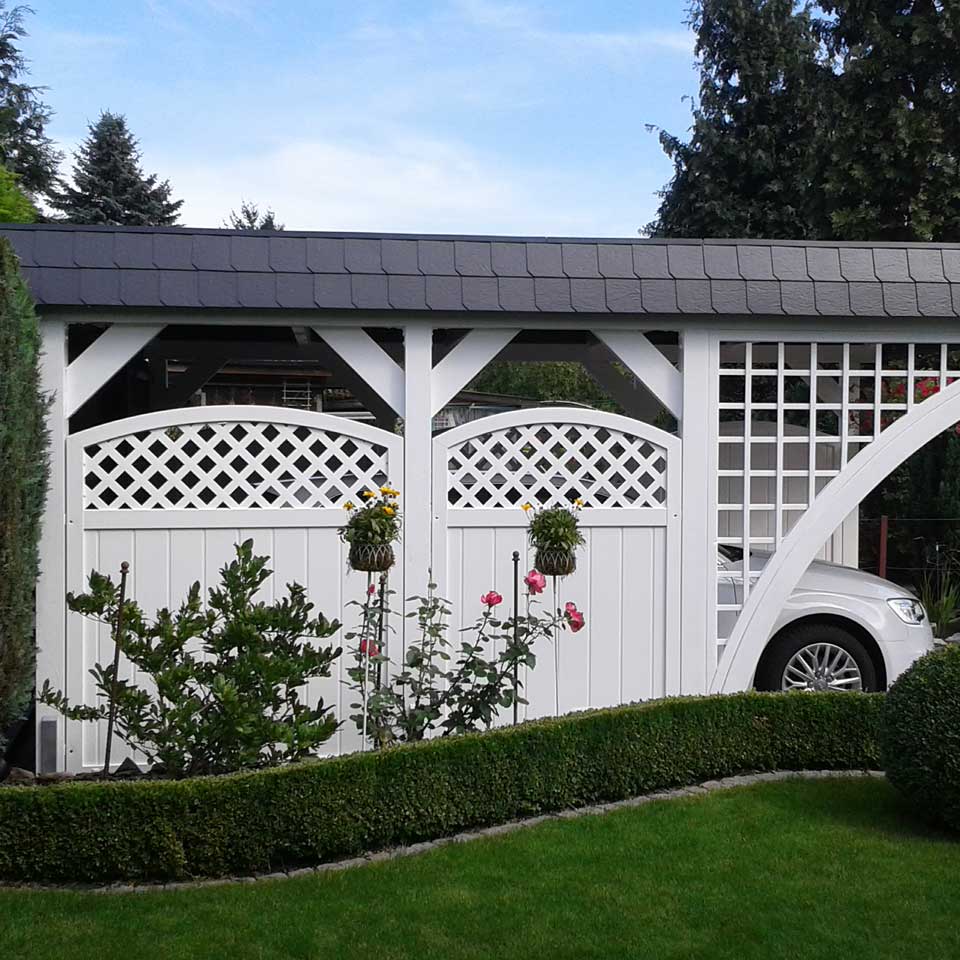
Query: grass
{"points": [[796, 869]]}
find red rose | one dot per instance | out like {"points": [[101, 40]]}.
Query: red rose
{"points": [[491, 599]]}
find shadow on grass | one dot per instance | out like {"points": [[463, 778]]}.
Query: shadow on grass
{"points": [[868, 805]]}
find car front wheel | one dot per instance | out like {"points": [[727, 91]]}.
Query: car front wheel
{"points": [[816, 656]]}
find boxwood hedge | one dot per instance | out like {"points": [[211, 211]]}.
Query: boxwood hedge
{"points": [[326, 809]]}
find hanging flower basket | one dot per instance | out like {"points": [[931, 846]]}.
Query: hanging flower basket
{"points": [[371, 557], [556, 563]]}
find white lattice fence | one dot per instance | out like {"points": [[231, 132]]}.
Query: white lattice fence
{"points": [[792, 415], [550, 463], [627, 475], [173, 492], [230, 464]]}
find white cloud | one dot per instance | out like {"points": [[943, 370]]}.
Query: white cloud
{"points": [[526, 25], [403, 186]]}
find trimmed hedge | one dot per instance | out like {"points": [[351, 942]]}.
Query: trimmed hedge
{"points": [[327, 809], [920, 735]]}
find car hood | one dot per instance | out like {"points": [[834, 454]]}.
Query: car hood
{"points": [[824, 577]]}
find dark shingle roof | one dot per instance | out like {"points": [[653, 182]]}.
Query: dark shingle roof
{"points": [[182, 267]]}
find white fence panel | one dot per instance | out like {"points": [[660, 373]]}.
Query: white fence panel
{"points": [[627, 579], [173, 492]]}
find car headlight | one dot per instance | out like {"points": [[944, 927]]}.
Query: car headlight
{"points": [[908, 610]]}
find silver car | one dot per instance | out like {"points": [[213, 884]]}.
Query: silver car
{"points": [[841, 629]]}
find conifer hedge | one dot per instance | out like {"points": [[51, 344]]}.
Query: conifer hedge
{"points": [[23, 481]]}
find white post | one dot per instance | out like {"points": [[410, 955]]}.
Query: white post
{"points": [[51, 585], [698, 584], [417, 438]]}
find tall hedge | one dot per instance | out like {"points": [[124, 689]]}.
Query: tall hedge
{"points": [[320, 810], [23, 481]]}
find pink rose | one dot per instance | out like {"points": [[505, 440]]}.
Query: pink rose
{"points": [[575, 619], [371, 590], [491, 599], [374, 649], [536, 582]]}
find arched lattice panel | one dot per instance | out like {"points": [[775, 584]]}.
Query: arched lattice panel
{"points": [[553, 463], [229, 464]]}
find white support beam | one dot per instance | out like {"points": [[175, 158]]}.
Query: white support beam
{"points": [[417, 458], [102, 359], [464, 362], [649, 365], [369, 361], [52, 583], [698, 516]]}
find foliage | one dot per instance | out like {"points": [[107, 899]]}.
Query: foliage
{"points": [[250, 218], [25, 148], [327, 809], [835, 120], [377, 521], [109, 184], [437, 688], [15, 205], [920, 735], [23, 466], [754, 148], [554, 528], [940, 596], [224, 681], [550, 380]]}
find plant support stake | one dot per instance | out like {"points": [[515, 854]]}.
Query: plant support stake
{"points": [[112, 712], [516, 628]]}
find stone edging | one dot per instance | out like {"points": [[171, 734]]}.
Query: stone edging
{"points": [[394, 853]]}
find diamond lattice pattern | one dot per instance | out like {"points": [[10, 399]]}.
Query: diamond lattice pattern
{"points": [[238, 464], [553, 463]]}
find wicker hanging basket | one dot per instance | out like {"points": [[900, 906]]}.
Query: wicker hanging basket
{"points": [[556, 563], [371, 557]]}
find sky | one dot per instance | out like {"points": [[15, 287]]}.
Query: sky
{"points": [[456, 116]]}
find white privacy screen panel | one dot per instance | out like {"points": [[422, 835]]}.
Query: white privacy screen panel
{"points": [[791, 417]]}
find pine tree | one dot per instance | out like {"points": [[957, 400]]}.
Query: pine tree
{"points": [[250, 218], [23, 466], [837, 120], [747, 168], [109, 186], [25, 149]]}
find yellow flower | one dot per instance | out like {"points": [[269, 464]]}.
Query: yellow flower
{"points": [[578, 502], [369, 493], [526, 507], [349, 505], [389, 511], [385, 491]]}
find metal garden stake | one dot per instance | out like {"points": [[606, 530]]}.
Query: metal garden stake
{"points": [[516, 628], [112, 711]]}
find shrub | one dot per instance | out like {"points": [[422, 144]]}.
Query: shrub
{"points": [[441, 685], [920, 736], [325, 809], [23, 466], [225, 679]]}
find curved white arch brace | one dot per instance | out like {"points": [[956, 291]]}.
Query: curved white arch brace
{"points": [[799, 548]]}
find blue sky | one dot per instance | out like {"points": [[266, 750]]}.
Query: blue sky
{"points": [[464, 116]]}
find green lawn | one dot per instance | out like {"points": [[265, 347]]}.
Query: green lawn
{"points": [[832, 869]]}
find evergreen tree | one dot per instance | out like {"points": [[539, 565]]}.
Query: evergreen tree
{"points": [[25, 149], [752, 156], [832, 121], [23, 466], [250, 218], [15, 205], [894, 137], [109, 186]]}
